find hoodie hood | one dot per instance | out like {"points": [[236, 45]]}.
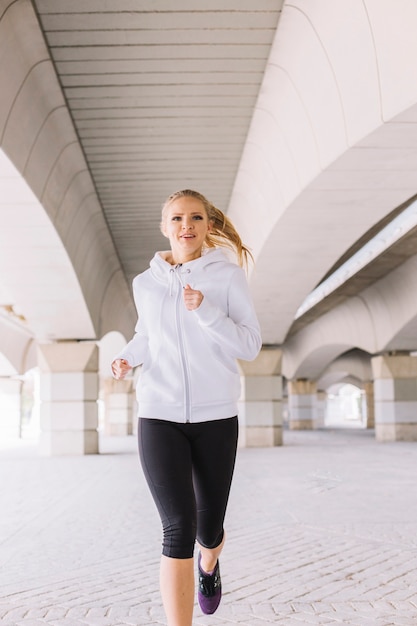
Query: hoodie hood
{"points": [[163, 271]]}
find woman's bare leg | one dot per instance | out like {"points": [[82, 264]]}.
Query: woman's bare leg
{"points": [[210, 556], [177, 590]]}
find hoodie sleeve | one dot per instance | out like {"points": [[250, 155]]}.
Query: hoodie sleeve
{"points": [[237, 332], [137, 348]]}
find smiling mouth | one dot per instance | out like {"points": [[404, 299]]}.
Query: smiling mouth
{"points": [[187, 236]]}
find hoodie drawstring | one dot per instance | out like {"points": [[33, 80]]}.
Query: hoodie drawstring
{"points": [[171, 280], [177, 271]]}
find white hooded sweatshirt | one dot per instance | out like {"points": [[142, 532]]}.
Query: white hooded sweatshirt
{"points": [[189, 371]]}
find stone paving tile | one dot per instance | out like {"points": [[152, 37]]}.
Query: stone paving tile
{"points": [[320, 531], [241, 613]]}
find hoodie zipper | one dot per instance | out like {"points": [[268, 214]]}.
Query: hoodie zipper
{"points": [[183, 355]]}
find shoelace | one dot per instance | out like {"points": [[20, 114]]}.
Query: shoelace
{"points": [[208, 583]]}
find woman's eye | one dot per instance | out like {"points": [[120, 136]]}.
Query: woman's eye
{"points": [[176, 218], [198, 217]]}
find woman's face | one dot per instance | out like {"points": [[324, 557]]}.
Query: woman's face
{"points": [[186, 225]]}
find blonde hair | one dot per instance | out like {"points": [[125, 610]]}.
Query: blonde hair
{"points": [[222, 232]]}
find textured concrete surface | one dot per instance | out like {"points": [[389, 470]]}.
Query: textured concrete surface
{"points": [[320, 531]]}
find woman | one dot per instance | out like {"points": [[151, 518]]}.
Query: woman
{"points": [[195, 319]]}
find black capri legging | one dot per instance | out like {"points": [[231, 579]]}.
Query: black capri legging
{"points": [[189, 469]]}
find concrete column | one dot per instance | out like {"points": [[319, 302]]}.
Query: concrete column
{"points": [[320, 408], [118, 406], [68, 395], [260, 406], [10, 393], [370, 404], [395, 389], [302, 404]]}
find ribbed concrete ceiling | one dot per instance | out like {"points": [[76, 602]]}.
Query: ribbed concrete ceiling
{"points": [[162, 96]]}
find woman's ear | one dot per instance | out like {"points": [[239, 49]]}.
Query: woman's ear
{"points": [[163, 231]]}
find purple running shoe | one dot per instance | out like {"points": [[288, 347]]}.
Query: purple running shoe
{"points": [[209, 588]]}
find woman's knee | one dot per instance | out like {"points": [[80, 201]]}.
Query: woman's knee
{"points": [[179, 536], [210, 540]]}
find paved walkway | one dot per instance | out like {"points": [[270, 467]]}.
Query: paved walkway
{"points": [[320, 531]]}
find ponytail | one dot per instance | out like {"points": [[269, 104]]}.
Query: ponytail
{"points": [[222, 232]]}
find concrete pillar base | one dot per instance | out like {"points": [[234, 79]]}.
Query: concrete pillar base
{"points": [[321, 401], [295, 424], [302, 404], [118, 430], [261, 437], [395, 391], [68, 394], [260, 407], [370, 404], [118, 402], [396, 432], [55, 443]]}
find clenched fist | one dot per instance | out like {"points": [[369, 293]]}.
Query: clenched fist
{"points": [[192, 298], [120, 367]]}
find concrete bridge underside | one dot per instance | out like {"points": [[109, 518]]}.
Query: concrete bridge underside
{"points": [[299, 118]]}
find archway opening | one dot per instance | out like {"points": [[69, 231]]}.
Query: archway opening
{"points": [[345, 407]]}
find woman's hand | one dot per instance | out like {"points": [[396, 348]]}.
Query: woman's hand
{"points": [[120, 367], [192, 298]]}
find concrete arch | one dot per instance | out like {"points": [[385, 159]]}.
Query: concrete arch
{"points": [[393, 307], [315, 362], [39, 138], [382, 317], [346, 327], [6, 368], [17, 347], [352, 367], [337, 381], [327, 139]]}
